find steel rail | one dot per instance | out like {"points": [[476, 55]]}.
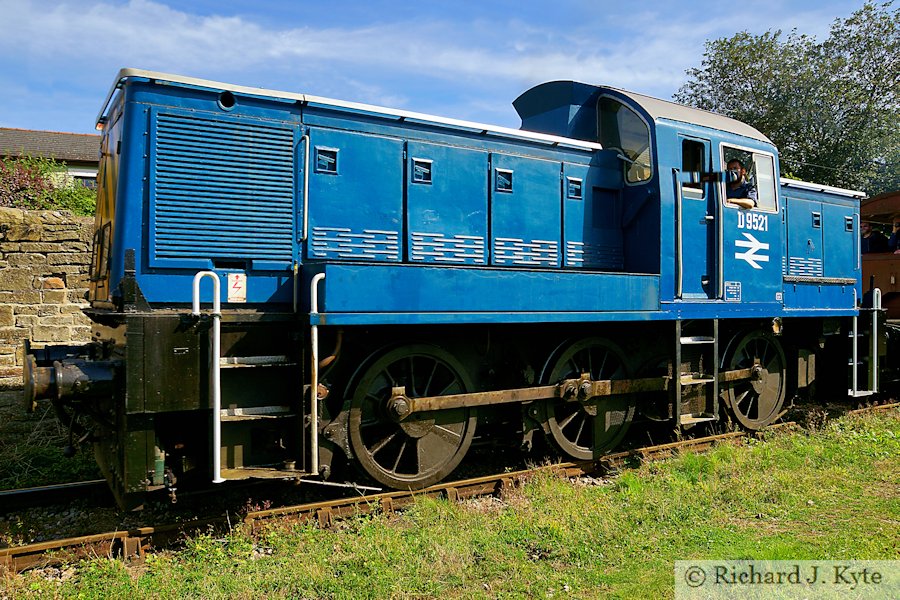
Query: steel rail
{"points": [[44, 495], [136, 543]]}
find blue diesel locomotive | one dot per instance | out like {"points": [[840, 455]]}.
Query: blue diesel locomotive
{"points": [[282, 283]]}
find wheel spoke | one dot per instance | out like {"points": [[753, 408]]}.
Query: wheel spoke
{"points": [[390, 378], [572, 428], [399, 456], [565, 422], [580, 429], [453, 385], [422, 449], [377, 447], [757, 403], [430, 379], [603, 364], [411, 380]]}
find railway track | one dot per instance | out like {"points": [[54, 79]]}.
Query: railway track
{"points": [[46, 495], [136, 543]]}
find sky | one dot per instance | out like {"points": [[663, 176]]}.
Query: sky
{"points": [[459, 58]]}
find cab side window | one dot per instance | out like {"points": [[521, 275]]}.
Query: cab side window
{"points": [[764, 167], [750, 175], [621, 128]]}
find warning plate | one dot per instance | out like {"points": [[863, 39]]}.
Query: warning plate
{"points": [[237, 287]]}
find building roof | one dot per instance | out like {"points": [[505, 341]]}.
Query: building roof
{"points": [[66, 147], [882, 208]]}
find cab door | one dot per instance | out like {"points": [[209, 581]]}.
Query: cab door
{"points": [[697, 215]]}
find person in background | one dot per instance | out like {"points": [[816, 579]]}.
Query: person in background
{"points": [[872, 241], [894, 240]]}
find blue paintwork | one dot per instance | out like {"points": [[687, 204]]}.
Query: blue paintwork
{"points": [[410, 289], [447, 205], [424, 222]]}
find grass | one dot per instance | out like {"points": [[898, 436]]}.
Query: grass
{"points": [[831, 495], [35, 457]]}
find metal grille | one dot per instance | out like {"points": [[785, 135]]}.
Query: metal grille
{"points": [[343, 242], [806, 267], [513, 251], [457, 249], [222, 189], [579, 254]]}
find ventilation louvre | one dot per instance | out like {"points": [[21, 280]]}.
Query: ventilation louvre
{"points": [[221, 189]]}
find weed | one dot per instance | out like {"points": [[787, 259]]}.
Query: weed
{"points": [[828, 496], [37, 183]]}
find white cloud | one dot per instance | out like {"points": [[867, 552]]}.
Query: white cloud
{"points": [[392, 63]]}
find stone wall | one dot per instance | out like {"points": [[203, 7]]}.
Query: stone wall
{"points": [[44, 262]]}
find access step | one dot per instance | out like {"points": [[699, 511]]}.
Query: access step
{"points": [[236, 362], [261, 472], [688, 340], [254, 413], [696, 378], [694, 419]]}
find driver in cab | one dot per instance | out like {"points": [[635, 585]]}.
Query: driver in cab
{"points": [[739, 191]]}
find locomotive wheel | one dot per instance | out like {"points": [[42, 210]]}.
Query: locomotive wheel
{"points": [[423, 448], [587, 430], [757, 402]]}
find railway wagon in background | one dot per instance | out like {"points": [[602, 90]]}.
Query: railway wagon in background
{"points": [[283, 283]]}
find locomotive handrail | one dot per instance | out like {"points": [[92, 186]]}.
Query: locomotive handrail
{"points": [[314, 380], [679, 259], [854, 353], [854, 391], [715, 190], [215, 373], [876, 307], [305, 226]]}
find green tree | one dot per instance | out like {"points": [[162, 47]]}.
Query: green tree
{"points": [[34, 183], [831, 108]]}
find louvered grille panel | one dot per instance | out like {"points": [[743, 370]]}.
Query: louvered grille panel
{"points": [[222, 189]]}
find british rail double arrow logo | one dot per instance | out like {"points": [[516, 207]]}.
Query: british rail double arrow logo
{"points": [[753, 246]]}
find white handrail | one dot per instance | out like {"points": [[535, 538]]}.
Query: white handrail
{"points": [[855, 353], [679, 243], [314, 383], [305, 141], [215, 375], [876, 308]]}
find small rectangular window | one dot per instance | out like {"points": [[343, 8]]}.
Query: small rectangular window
{"points": [[848, 223], [326, 160], [817, 220], [421, 170], [573, 188], [692, 161], [503, 180]]}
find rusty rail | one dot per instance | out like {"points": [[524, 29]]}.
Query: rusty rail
{"points": [[135, 543]]}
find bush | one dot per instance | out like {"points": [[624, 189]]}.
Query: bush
{"points": [[31, 183]]}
